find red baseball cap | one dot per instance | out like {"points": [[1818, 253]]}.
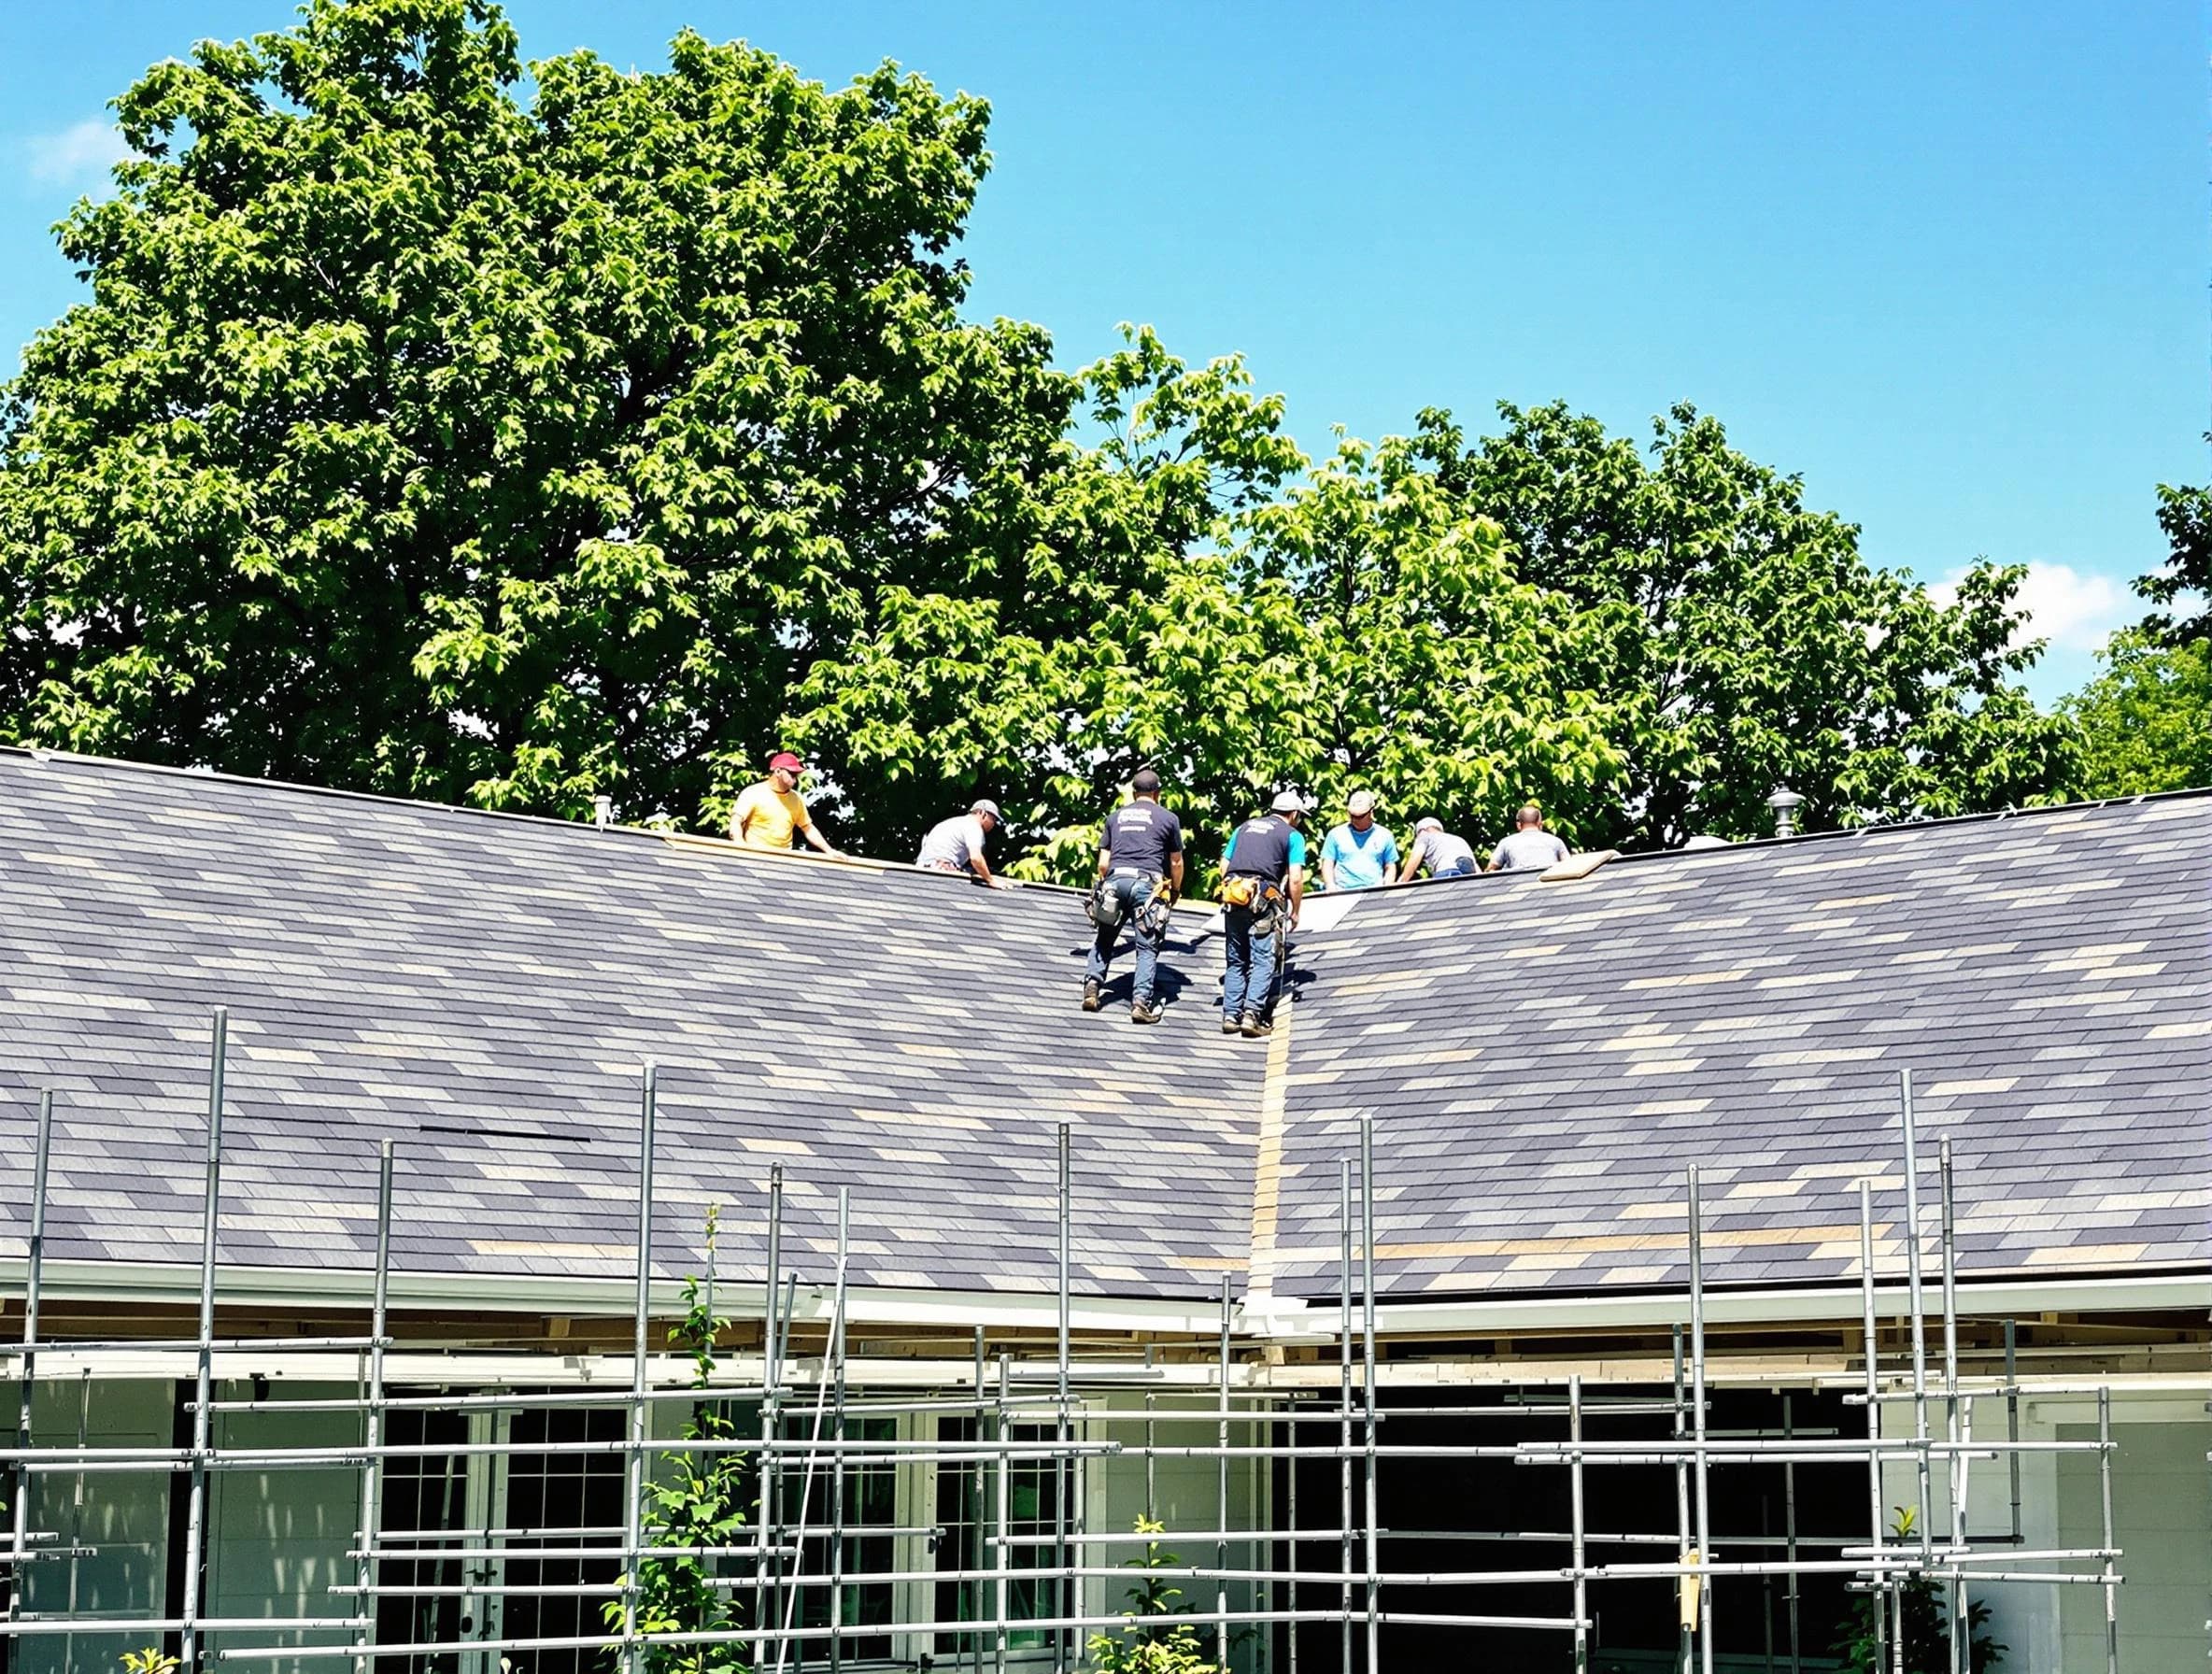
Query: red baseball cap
{"points": [[785, 759]]}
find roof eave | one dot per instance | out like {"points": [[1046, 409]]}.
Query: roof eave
{"points": [[2021, 1292]]}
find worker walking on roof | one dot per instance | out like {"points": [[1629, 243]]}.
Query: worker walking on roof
{"points": [[1140, 876], [957, 844], [1263, 880], [769, 812], [1530, 846], [1444, 855], [1359, 854]]}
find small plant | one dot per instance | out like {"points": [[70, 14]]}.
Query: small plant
{"points": [[1926, 1633], [153, 1660], [701, 1502], [1165, 1646]]}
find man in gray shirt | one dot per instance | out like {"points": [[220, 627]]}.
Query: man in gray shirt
{"points": [[1530, 846], [1444, 855], [957, 844]]}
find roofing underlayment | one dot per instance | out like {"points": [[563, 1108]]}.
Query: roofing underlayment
{"points": [[1542, 1058]]}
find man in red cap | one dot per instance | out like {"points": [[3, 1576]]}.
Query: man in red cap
{"points": [[769, 812]]}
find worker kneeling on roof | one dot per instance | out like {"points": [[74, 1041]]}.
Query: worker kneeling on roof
{"points": [[957, 844], [1264, 881], [1140, 876]]}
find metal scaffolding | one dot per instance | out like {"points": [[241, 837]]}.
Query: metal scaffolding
{"points": [[1037, 1591]]}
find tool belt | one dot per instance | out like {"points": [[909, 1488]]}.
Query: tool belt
{"points": [[1103, 905], [1141, 899], [1267, 902], [1152, 917]]}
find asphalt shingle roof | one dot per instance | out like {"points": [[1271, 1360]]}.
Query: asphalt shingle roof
{"points": [[484, 989], [1544, 1059]]}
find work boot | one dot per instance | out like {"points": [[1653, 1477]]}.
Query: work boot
{"points": [[1228, 1023], [1090, 994], [1143, 1011], [1256, 1028]]}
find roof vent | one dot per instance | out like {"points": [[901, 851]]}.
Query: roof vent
{"points": [[602, 811], [1785, 803]]}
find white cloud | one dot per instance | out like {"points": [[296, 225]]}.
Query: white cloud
{"points": [[2074, 610], [79, 155]]}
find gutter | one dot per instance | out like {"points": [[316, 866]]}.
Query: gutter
{"points": [[1291, 1321], [1262, 1317]]}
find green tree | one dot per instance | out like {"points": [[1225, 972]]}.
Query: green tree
{"points": [[1744, 641], [2146, 720], [1040, 693], [418, 439], [2186, 517], [1261, 622], [424, 438]]}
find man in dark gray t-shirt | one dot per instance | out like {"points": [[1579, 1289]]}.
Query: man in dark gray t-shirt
{"points": [[1139, 874]]}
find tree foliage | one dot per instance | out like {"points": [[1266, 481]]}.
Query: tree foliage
{"points": [[420, 437], [1915, 1612], [1266, 622], [2146, 720], [416, 440], [1159, 1638], [2185, 515], [1744, 641], [696, 1499]]}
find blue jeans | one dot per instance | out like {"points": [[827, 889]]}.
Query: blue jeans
{"points": [[1133, 890], [1249, 982]]}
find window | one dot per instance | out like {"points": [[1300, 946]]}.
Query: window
{"points": [[871, 1504], [967, 1510], [423, 1494], [556, 1491]]}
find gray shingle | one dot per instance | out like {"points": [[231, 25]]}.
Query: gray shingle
{"points": [[2045, 976], [1542, 1060], [420, 972]]}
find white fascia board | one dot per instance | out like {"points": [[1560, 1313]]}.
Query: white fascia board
{"points": [[559, 1295], [403, 1370], [1289, 1320], [1276, 1318]]}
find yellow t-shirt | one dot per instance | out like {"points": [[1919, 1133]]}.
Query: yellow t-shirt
{"points": [[765, 818]]}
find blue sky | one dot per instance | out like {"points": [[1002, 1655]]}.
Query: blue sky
{"points": [[1949, 263]]}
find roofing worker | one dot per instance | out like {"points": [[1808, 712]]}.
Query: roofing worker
{"points": [[1530, 846], [1264, 879], [955, 845], [1444, 855], [768, 812], [1359, 854], [1140, 876]]}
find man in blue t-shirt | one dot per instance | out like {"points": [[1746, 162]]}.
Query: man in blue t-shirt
{"points": [[1263, 878], [1359, 854]]}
